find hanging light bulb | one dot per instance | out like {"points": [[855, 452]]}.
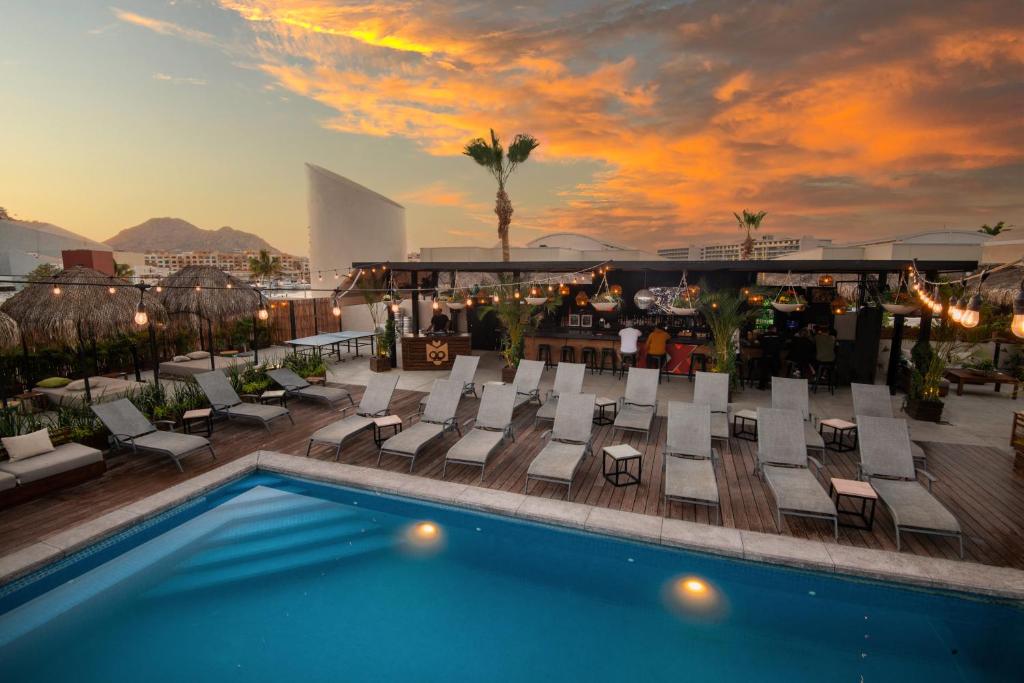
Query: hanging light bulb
{"points": [[141, 317], [435, 305], [159, 289], [335, 275], [394, 307], [56, 290], [516, 294], [616, 290], [263, 313], [826, 281], [955, 312], [563, 289], [972, 315], [198, 288], [336, 310], [1017, 324], [229, 285], [496, 299], [469, 301], [551, 288]]}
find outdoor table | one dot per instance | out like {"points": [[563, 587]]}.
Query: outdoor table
{"points": [[316, 343], [602, 403], [841, 429], [279, 396], [379, 423], [621, 456], [197, 416], [31, 401], [744, 425], [855, 490], [962, 376]]}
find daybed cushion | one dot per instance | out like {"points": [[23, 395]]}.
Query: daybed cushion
{"points": [[180, 359], [77, 385], [7, 481], [690, 479], [795, 488], [475, 447], [64, 458], [27, 445], [912, 505], [557, 461], [198, 355], [54, 382]]}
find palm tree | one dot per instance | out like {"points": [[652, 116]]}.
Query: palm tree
{"points": [[123, 270], [993, 229], [501, 165], [264, 266], [749, 221]]}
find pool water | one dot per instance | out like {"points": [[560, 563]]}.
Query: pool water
{"points": [[278, 579]]}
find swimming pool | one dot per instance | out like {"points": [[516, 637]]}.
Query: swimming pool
{"points": [[276, 579]]}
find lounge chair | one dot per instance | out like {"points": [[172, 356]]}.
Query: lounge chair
{"points": [[527, 381], [493, 422], [688, 469], [568, 380], [887, 463], [712, 388], [463, 370], [782, 461], [637, 407], [294, 385], [874, 400], [129, 427], [791, 394], [375, 402], [569, 440], [224, 401], [437, 419]]}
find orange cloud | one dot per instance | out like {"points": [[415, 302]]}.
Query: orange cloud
{"points": [[166, 28]]}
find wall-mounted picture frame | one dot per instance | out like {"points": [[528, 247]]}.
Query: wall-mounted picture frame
{"points": [[574, 320], [586, 320]]}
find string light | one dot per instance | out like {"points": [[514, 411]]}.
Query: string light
{"points": [[111, 290], [1017, 324], [56, 290], [228, 285], [141, 317], [198, 288], [956, 313], [972, 316]]}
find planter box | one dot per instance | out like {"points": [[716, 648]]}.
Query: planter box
{"points": [[508, 374], [927, 411], [380, 364]]}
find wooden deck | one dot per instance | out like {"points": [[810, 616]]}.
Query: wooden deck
{"points": [[976, 483]]}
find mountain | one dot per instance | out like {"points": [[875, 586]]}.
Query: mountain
{"points": [[175, 234]]}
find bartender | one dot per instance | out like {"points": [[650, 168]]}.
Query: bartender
{"points": [[439, 323]]}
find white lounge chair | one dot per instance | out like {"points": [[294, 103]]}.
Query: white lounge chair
{"points": [[493, 422], [438, 418], [782, 461], [463, 370], [375, 402], [300, 388], [568, 380], [568, 442], [129, 427], [640, 402], [712, 388], [792, 394], [224, 401], [688, 466], [888, 465], [874, 400], [527, 381]]}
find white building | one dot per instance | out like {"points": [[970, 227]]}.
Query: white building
{"points": [[940, 245], [349, 223], [559, 246], [765, 247]]}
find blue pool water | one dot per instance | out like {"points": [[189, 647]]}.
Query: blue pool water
{"points": [[277, 579]]}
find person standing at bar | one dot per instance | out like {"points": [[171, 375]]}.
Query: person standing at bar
{"points": [[628, 337]]}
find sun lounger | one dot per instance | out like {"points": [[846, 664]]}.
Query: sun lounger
{"points": [[791, 394], [527, 381], [782, 461], [129, 427], [887, 463], [184, 369], [568, 380], [874, 400], [688, 469], [638, 405], [463, 370], [493, 422], [375, 402], [224, 401], [712, 388], [568, 442], [438, 418], [298, 387], [100, 389]]}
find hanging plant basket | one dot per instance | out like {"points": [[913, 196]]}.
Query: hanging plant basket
{"points": [[676, 310], [786, 308], [455, 306], [899, 309], [605, 306], [536, 300]]}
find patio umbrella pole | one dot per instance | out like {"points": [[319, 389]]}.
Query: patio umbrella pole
{"points": [[81, 363], [135, 363], [153, 354], [255, 340], [209, 333]]}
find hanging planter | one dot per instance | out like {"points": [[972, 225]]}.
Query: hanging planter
{"points": [[606, 300], [901, 301], [455, 305], [684, 302], [787, 300]]}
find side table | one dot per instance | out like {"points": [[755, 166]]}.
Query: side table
{"points": [[619, 458], [379, 423], [744, 425], [202, 417], [603, 403], [855, 490], [843, 436]]}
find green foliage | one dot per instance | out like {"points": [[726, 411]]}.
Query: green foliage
{"points": [[264, 266], [515, 316], [123, 270], [929, 364], [492, 156], [305, 365], [14, 422], [385, 339], [725, 312], [43, 272], [993, 229], [249, 378]]}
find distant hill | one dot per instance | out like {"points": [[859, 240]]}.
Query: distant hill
{"points": [[175, 234]]}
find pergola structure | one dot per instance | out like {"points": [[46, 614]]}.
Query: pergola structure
{"points": [[632, 275]]}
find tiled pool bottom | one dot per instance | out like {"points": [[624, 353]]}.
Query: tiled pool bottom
{"points": [[272, 578]]}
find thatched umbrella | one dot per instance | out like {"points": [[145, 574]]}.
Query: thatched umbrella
{"points": [[207, 294], [77, 305], [1001, 287], [9, 337]]}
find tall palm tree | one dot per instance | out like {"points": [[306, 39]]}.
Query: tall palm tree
{"points": [[264, 266], [123, 270], [993, 229], [501, 164], [749, 221]]}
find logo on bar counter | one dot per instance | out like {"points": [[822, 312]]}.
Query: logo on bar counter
{"points": [[437, 352]]}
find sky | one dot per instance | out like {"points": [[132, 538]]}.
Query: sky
{"points": [[656, 121]]}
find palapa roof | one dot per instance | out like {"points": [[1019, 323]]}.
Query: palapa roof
{"points": [[9, 335], [1001, 288], [84, 306], [220, 297]]}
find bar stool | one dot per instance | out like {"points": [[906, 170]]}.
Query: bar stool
{"points": [[544, 354], [588, 356], [628, 361], [608, 355], [826, 374], [695, 359], [660, 362], [568, 354]]}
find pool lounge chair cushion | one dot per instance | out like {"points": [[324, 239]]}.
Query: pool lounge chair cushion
{"points": [[690, 478], [637, 418], [796, 488], [912, 506], [557, 461], [63, 458], [412, 439], [338, 431], [27, 445], [475, 447], [257, 411], [171, 442]]}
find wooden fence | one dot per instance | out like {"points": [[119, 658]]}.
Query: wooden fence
{"points": [[295, 318]]}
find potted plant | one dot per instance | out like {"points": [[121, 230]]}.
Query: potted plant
{"points": [[725, 314], [924, 400], [789, 302], [682, 306], [536, 297], [606, 302], [516, 316], [381, 360]]}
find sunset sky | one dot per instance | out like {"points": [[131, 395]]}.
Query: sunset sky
{"points": [[656, 120]]}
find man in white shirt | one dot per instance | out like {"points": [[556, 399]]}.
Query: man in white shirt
{"points": [[628, 337]]}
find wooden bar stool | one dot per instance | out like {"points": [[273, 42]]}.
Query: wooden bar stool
{"points": [[544, 354], [588, 357], [568, 354]]}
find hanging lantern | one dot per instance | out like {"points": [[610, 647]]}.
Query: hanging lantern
{"points": [[616, 290], [643, 299], [745, 291], [263, 313], [141, 317], [563, 289], [693, 291], [839, 306], [1017, 324], [394, 307], [535, 291], [582, 299], [516, 294], [436, 306], [826, 281]]}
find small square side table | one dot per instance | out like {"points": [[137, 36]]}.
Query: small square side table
{"points": [[843, 435], [744, 425], [855, 490], [380, 423], [603, 403], [201, 417], [619, 458], [279, 396]]}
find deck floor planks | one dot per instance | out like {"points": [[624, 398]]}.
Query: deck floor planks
{"points": [[976, 483]]}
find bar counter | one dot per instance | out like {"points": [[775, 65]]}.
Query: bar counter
{"points": [[433, 352], [681, 349]]}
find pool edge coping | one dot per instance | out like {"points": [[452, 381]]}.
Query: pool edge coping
{"points": [[877, 565]]}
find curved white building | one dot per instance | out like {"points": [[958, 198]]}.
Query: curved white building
{"points": [[348, 223]]}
